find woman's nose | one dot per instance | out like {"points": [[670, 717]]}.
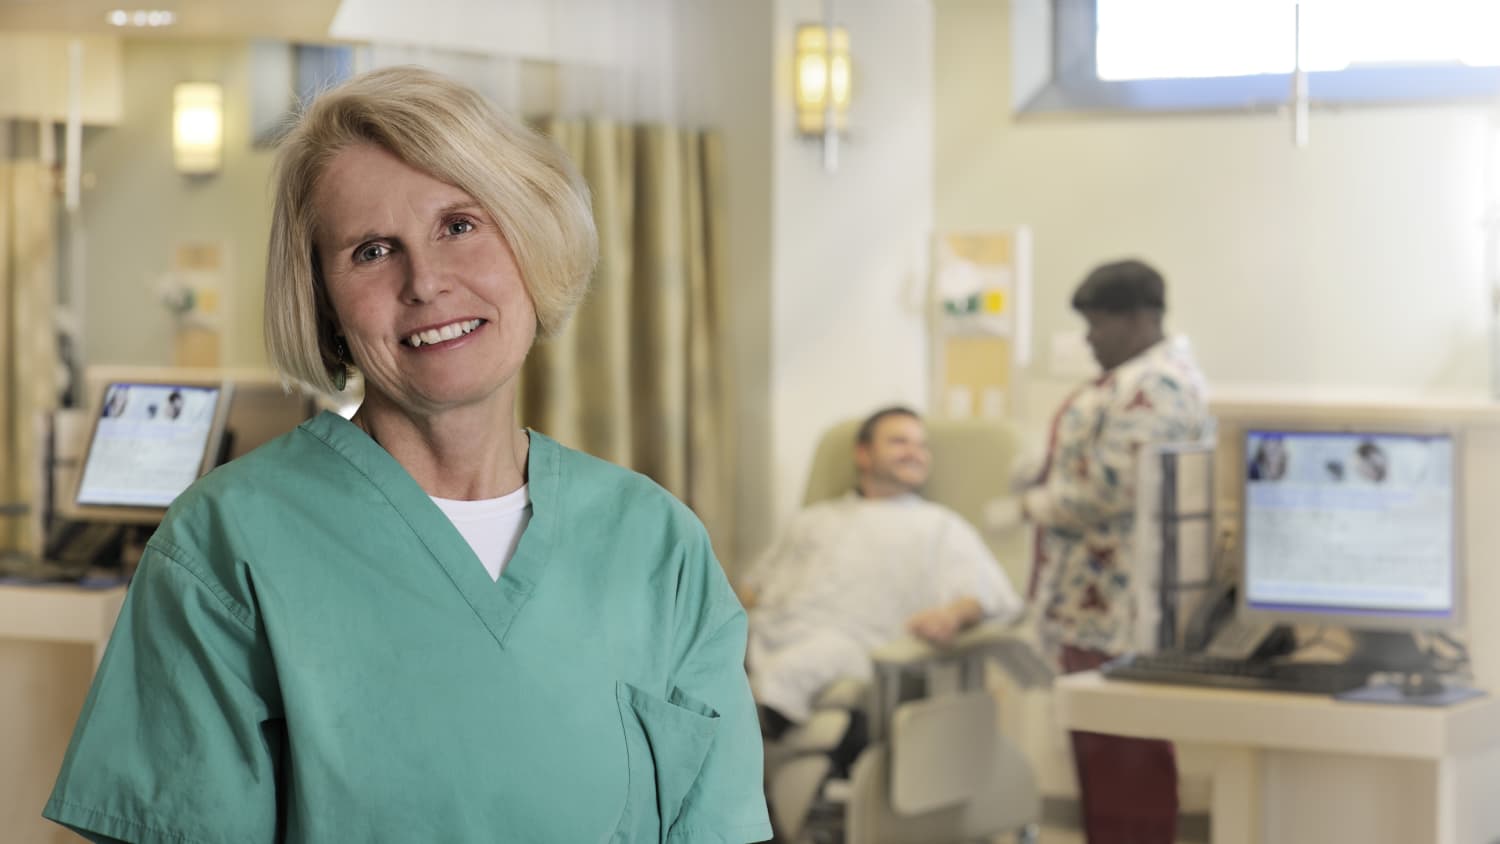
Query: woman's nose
{"points": [[426, 277]]}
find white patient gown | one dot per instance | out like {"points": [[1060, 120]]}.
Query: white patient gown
{"points": [[844, 578]]}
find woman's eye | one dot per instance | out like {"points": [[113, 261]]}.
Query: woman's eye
{"points": [[370, 252], [460, 227]]}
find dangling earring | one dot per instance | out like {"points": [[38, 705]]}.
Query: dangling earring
{"points": [[341, 374]]}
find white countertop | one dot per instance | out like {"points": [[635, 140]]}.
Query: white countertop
{"points": [[59, 612], [1275, 720]]}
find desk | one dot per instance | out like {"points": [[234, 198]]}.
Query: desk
{"points": [[51, 639], [1290, 768]]}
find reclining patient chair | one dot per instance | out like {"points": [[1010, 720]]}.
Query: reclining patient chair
{"points": [[937, 768]]}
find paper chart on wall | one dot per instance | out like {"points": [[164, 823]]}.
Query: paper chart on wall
{"points": [[981, 323]]}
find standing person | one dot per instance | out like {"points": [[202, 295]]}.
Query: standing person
{"points": [[1151, 390], [424, 623]]}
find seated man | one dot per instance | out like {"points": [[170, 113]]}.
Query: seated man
{"points": [[854, 573]]}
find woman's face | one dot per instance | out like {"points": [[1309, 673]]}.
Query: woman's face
{"points": [[425, 289]]}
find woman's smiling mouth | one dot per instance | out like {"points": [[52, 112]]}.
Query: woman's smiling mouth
{"points": [[442, 333]]}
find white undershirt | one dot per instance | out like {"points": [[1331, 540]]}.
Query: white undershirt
{"points": [[492, 527]]}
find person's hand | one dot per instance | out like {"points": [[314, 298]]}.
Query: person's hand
{"points": [[1001, 514], [937, 625], [1034, 505], [1026, 472]]}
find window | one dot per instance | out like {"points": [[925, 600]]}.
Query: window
{"points": [[285, 75], [1191, 54]]}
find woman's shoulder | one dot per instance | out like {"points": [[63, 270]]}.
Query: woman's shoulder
{"points": [[290, 471], [265, 470], [212, 527]]}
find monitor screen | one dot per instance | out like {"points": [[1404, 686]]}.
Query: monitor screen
{"points": [[261, 410], [150, 441], [1357, 528]]}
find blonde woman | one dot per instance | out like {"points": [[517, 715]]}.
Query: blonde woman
{"points": [[424, 623]]}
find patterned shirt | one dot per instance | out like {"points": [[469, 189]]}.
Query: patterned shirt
{"points": [[1084, 502]]}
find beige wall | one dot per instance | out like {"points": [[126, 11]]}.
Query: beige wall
{"points": [[139, 207], [36, 68], [848, 331], [1355, 263], [827, 271]]}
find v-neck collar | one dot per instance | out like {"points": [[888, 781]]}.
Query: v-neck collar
{"points": [[496, 603]]}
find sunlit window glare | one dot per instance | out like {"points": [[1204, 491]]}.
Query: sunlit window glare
{"points": [[1161, 39]]}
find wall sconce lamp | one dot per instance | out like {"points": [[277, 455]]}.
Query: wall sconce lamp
{"points": [[824, 76], [198, 127]]}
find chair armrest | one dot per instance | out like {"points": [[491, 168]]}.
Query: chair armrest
{"points": [[847, 693], [1007, 643], [820, 734], [914, 650]]}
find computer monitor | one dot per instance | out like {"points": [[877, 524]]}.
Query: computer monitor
{"points": [[150, 438], [1355, 528], [262, 409]]}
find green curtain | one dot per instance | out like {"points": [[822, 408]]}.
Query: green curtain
{"points": [[641, 375]]}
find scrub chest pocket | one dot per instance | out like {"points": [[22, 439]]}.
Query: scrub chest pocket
{"points": [[666, 742]]}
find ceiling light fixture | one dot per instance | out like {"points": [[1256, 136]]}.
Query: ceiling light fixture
{"points": [[145, 18]]}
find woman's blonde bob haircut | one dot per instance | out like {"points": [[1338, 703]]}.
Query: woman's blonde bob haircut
{"points": [[522, 179]]}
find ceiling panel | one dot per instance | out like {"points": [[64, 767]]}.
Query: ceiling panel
{"points": [[292, 19]]}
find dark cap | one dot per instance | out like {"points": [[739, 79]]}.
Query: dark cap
{"points": [[1120, 287]]}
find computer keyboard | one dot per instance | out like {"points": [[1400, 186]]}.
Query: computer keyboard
{"points": [[1319, 678]]}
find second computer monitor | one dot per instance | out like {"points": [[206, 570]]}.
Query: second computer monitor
{"points": [[150, 439], [1352, 528]]}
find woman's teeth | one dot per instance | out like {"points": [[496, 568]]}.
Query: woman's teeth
{"points": [[438, 335]]}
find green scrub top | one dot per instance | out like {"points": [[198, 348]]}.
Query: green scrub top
{"points": [[310, 652]]}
